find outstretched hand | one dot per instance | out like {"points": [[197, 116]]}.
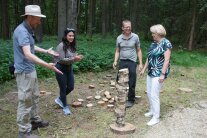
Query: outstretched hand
{"points": [[52, 52], [52, 66]]}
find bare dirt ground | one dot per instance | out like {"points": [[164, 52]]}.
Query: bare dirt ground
{"points": [[182, 123], [183, 115]]}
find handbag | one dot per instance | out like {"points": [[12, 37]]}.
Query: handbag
{"points": [[11, 68]]}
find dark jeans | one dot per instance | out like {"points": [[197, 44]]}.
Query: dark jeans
{"points": [[65, 81], [132, 67]]}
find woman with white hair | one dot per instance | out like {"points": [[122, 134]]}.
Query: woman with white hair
{"points": [[158, 64]]}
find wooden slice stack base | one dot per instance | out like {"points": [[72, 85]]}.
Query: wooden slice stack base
{"points": [[127, 129]]}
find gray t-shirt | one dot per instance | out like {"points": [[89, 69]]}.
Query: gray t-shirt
{"points": [[128, 47], [65, 58], [23, 36]]}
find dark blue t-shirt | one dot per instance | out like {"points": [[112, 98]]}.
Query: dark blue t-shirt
{"points": [[156, 58]]}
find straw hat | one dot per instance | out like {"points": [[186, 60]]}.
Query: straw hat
{"points": [[33, 10]]}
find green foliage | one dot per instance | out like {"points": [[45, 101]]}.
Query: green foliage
{"points": [[175, 15], [189, 59], [6, 57], [202, 5], [98, 56]]}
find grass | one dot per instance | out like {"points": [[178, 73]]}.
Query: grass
{"points": [[189, 59], [189, 69], [94, 122]]}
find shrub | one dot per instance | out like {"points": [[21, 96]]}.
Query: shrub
{"points": [[98, 55]]}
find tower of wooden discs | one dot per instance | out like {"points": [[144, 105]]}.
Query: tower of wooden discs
{"points": [[120, 126]]}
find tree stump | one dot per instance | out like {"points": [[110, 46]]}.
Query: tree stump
{"points": [[97, 97], [91, 86], [101, 103], [76, 104], [89, 105]]}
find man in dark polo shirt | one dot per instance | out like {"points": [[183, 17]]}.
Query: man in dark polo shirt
{"points": [[26, 76], [128, 50]]}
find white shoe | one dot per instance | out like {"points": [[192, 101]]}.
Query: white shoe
{"points": [[153, 121], [148, 114], [59, 102]]}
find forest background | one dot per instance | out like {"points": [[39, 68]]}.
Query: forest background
{"points": [[98, 23], [184, 20]]}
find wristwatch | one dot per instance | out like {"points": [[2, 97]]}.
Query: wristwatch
{"points": [[162, 73]]}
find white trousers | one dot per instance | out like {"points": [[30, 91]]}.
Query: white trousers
{"points": [[153, 94]]}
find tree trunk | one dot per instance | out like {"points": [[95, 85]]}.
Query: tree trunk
{"points": [[1, 18], [89, 28], [67, 16], [38, 30], [103, 3], [5, 19], [19, 9], [61, 18], [134, 13], [190, 44], [105, 17], [91, 17], [117, 15], [72, 14]]}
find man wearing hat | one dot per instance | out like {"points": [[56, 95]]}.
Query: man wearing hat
{"points": [[24, 62]]}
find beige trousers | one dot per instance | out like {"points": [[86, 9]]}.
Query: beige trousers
{"points": [[28, 98]]}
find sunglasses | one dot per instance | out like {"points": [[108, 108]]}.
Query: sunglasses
{"points": [[70, 29]]}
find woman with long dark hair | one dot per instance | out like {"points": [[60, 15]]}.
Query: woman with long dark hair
{"points": [[67, 56]]}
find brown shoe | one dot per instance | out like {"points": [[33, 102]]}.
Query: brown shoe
{"points": [[27, 135], [41, 124]]}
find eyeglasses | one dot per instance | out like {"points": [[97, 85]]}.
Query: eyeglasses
{"points": [[127, 27]]}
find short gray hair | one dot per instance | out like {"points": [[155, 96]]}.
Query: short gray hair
{"points": [[158, 29]]}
